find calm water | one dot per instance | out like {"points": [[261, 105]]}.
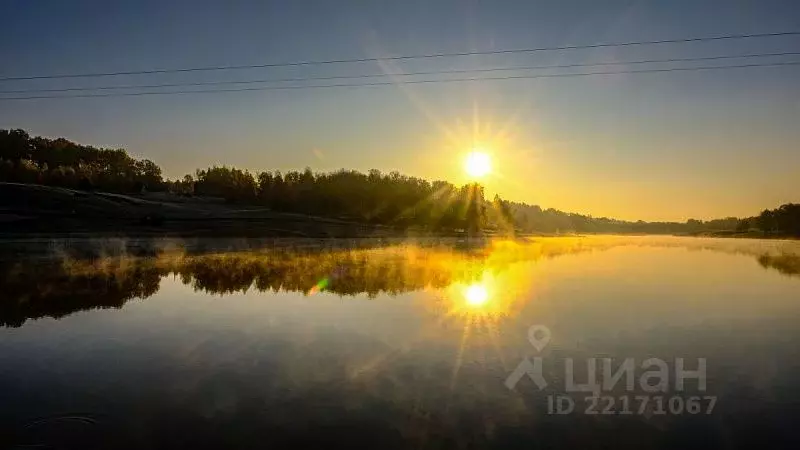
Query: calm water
{"points": [[403, 346]]}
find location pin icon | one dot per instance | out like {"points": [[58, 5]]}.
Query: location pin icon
{"points": [[539, 336]]}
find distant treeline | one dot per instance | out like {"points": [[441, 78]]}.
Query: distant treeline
{"points": [[534, 218], [375, 197], [59, 162], [784, 221]]}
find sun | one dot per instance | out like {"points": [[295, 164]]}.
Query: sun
{"points": [[477, 164], [476, 295]]}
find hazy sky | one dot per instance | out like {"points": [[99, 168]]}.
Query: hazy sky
{"points": [[656, 146]]}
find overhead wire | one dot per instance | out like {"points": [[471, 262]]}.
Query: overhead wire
{"points": [[404, 57], [391, 83], [405, 74]]}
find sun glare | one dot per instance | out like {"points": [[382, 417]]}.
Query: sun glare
{"points": [[476, 295], [477, 164]]}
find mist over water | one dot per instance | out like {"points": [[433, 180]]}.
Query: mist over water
{"points": [[407, 344]]}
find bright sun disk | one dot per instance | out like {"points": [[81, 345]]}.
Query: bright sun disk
{"points": [[477, 164], [476, 295]]}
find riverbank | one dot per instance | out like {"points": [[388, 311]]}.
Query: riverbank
{"points": [[28, 210]]}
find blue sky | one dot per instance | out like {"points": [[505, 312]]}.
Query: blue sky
{"points": [[651, 146]]}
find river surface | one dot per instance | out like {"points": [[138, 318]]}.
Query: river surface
{"points": [[572, 342]]}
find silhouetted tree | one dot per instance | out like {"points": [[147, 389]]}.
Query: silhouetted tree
{"points": [[766, 221], [59, 162], [784, 220], [375, 197], [232, 184]]}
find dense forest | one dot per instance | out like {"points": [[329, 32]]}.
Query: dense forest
{"points": [[59, 162], [374, 197], [784, 220]]}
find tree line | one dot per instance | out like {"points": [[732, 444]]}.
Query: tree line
{"points": [[373, 197], [59, 162], [783, 220], [534, 218]]}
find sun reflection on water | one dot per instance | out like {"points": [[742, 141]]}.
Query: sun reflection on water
{"points": [[478, 300]]}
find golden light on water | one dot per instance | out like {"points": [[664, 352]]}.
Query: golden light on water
{"points": [[477, 163], [487, 288], [479, 299]]}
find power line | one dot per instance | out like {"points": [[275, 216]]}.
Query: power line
{"points": [[437, 72], [405, 57], [390, 83]]}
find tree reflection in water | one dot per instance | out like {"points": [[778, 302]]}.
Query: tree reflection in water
{"points": [[58, 288]]}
